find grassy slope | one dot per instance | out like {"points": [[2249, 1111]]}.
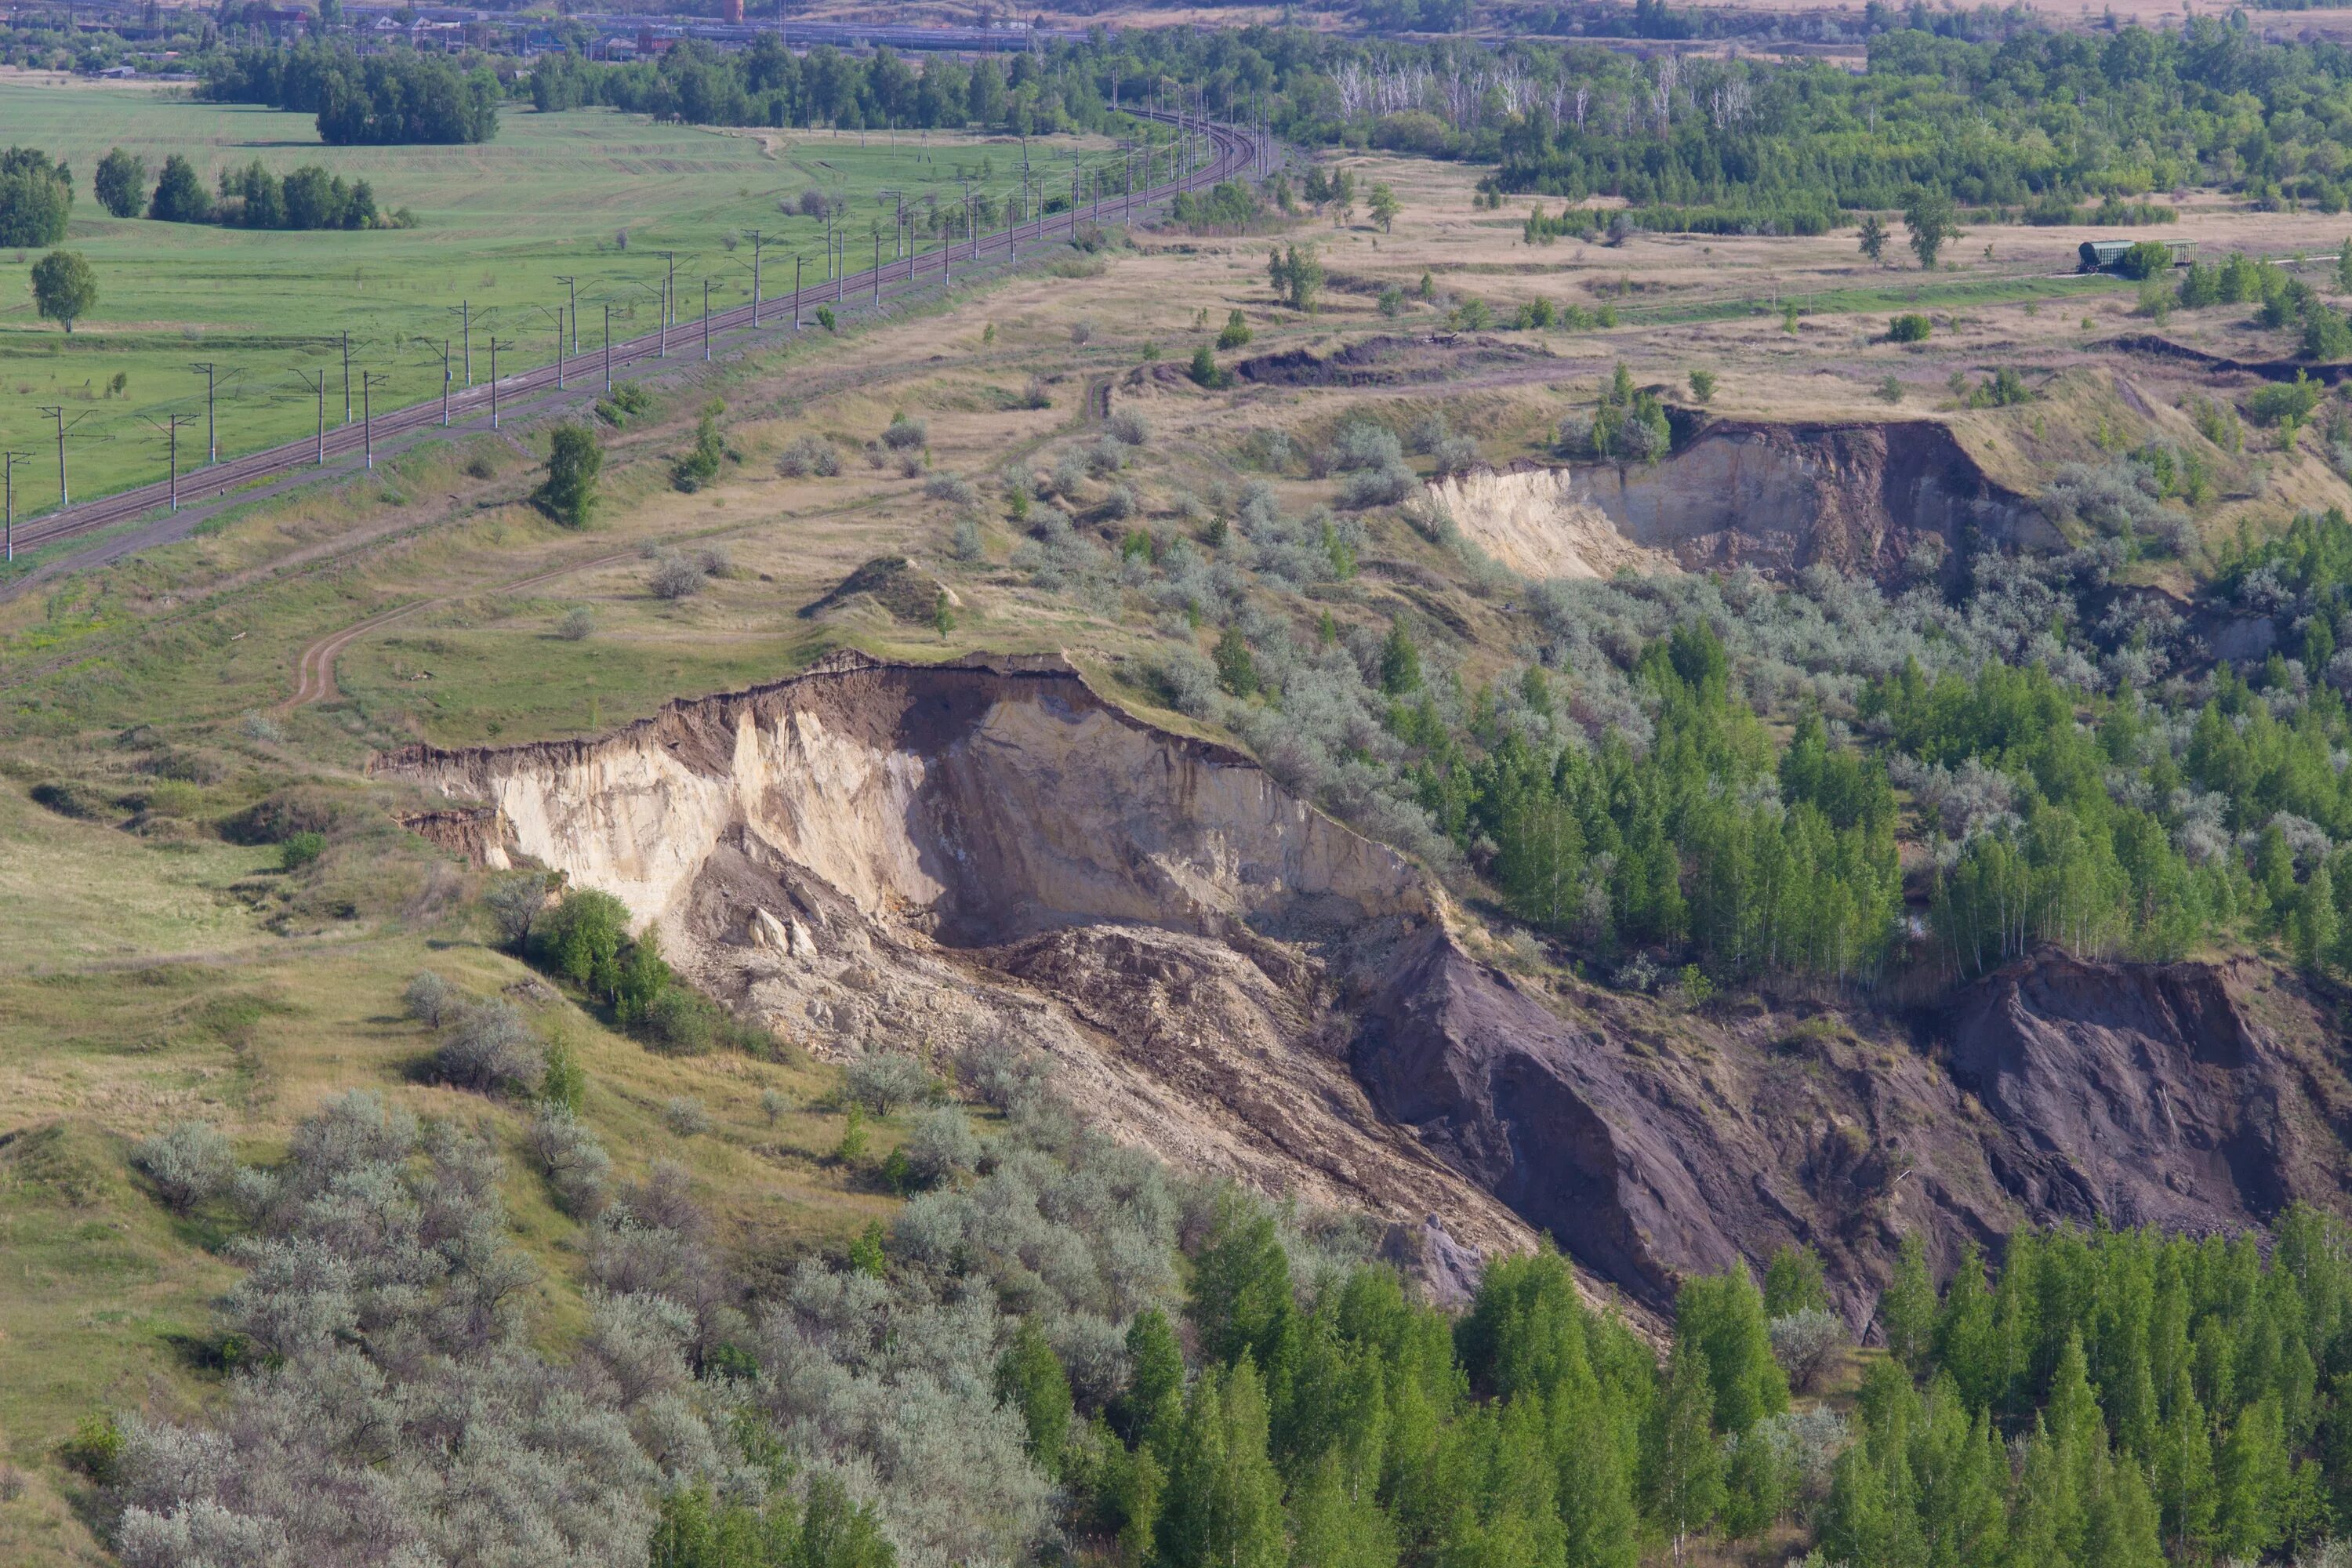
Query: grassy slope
{"points": [[498, 225]]}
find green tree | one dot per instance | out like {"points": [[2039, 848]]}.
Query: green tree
{"points": [[1702, 385], [1223, 1500], [1334, 1526], [120, 185], [1204, 370], [1030, 1378], [1400, 660], [581, 938], [1153, 1408], [1794, 1281], [1722, 1317], [2184, 1471], [566, 1081], [1297, 277], [1682, 1468], [1237, 670], [179, 195], [2314, 923], [837, 1532], [1384, 206], [2343, 269], [65, 288], [36, 198], [1235, 331], [1907, 1308], [1933, 221], [1874, 238], [573, 462], [2251, 1474], [1241, 1298]]}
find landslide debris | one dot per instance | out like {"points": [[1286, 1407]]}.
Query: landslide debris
{"points": [[876, 855]]}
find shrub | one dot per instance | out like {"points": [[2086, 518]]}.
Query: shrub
{"points": [[1364, 444], [2145, 259], [513, 902], [576, 1164], [190, 1163], [1805, 1342], [430, 1000], [1456, 454], [1909, 327], [566, 1081], [1128, 426], [489, 1049], [676, 576], [581, 938], [677, 1022], [940, 1147], [905, 434], [96, 1448], [1702, 384], [684, 1115], [950, 488], [1237, 332], [809, 456], [1375, 487], [625, 403], [881, 1081], [296, 850], [573, 462], [773, 1103], [578, 623]]}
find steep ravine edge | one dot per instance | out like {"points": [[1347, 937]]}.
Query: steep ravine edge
{"points": [[920, 856]]}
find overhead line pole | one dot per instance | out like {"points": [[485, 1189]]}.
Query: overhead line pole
{"points": [[212, 442], [369, 381], [347, 377], [317, 381], [171, 428], [57, 413], [8, 462], [608, 348], [495, 346], [757, 239], [572, 284], [671, 258]]}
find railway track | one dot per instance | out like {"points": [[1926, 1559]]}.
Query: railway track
{"points": [[1232, 152]]}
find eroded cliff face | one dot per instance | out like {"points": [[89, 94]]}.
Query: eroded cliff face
{"points": [[1778, 498], [919, 858]]}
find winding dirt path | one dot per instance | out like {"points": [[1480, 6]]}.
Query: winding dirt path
{"points": [[314, 669]]}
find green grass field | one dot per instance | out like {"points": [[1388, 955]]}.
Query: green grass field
{"points": [[498, 225]]}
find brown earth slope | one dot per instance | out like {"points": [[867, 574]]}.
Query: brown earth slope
{"points": [[916, 858]]}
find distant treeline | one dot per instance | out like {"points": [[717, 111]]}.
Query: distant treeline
{"points": [[362, 101], [768, 85]]}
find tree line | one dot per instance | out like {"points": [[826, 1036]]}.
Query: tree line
{"points": [[252, 196], [392, 98]]}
